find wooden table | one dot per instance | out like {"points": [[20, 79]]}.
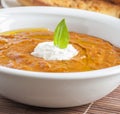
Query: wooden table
{"points": [[108, 105]]}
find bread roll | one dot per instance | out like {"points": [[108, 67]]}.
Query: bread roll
{"points": [[115, 2], [101, 6]]}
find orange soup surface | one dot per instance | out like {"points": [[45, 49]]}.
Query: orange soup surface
{"points": [[94, 53]]}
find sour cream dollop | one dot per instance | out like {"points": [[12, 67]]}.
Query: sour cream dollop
{"points": [[48, 51]]}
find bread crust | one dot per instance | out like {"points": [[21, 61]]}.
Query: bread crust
{"points": [[101, 6], [117, 2]]}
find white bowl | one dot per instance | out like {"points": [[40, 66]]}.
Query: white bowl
{"points": [[59, 89]]}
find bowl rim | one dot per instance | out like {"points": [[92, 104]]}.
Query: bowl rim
{"points": [[115, 70], [62, 11], [71, 75]]}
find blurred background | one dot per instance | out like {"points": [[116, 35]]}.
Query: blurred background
{"points": [[108, 7]]}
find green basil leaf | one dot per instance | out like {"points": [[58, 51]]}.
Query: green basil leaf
{"points": [[61, 35]]}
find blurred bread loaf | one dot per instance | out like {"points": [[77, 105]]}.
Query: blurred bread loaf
{"points": [[109, 7], [115, 2]]}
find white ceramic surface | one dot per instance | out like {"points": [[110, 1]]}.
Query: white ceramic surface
{"points": [[59, 89], [10, 3]]}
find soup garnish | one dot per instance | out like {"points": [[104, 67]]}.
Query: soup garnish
{"points": [[60, 49], [61, 35]]}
